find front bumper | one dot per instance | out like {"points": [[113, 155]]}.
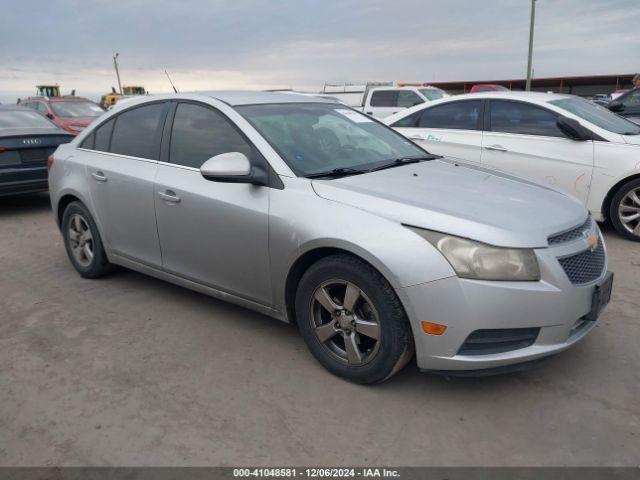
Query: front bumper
{"points": [[554, 305]]}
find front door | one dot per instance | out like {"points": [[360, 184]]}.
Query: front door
{"points": [[524, 140], [210, 232]]}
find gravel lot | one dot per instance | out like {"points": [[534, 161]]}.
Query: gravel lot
{"points": [[128, 370]]}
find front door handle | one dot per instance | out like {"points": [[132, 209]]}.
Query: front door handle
{"points": [[416, 137], [169, 196], [497, 148], [99, 177]]}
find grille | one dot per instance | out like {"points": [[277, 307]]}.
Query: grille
{"points": [[585, 267], [572, 234], [499, 340], [34, 155]]}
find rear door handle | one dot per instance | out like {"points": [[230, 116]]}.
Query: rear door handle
{"points": [[169, 196], [416, 137], [99, 177], [497, 148]]}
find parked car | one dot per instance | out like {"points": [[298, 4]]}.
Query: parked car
{"points": [[556, 139], [487, 87], [618, 93], [627, 105], [382, 101], [600, 99], [69, 112], [26, 140], [318, 215]]}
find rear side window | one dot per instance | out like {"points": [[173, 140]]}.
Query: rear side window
{"points": [[200, 133], [407, 98], [462, 115], [103, 136], [383, 98], [408, 121], [90, 141], [137, 132], [523, 118]]}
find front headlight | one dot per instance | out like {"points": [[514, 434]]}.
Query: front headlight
{"points": [[479, 261]]}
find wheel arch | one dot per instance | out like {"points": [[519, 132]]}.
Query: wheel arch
{"points": [[62, 205], [606, 203], [302, 264]]}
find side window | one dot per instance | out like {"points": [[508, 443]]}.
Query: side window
{"points": [[632, 99], [42, 108], [103, 136], [383, 98], [523, 118], [407, 98], [89, 142], [200, 133], [462, 115], [408, 121], [137, 132]]}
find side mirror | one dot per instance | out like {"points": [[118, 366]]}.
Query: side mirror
{"points": [[573, 129], [49, 116], [233, 167], [616, 106]]}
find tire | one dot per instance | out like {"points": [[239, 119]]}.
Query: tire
{"points": [[76, 222], [351, 349], [626, 201]]}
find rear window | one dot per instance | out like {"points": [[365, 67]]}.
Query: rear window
{"points": [[23, 119], [76, 109]]}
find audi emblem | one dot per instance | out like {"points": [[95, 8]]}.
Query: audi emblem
{"points": [[31, 141]]}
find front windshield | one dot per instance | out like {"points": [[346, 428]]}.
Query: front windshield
{"points": [[23, 119], [598, 115], [432, 93], [314, 138], [76, 109]]}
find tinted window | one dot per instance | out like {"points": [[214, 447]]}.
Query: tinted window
{"points": [[383, 98], [136, 132], [407, 98], [632, 99], [23, 119], [103, 135], [408, 121], [517, 117], [455, 115], [200, 133], [597, 115], [89, 142]]}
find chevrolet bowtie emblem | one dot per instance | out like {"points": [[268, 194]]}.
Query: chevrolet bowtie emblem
{"points": [[592, 240]]}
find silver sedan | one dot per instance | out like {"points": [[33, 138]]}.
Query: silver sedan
{"points": [[310, 212]]}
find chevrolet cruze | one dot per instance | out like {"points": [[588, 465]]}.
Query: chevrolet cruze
{"points": [[315, 214]]}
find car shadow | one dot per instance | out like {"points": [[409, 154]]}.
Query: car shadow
{"points": [[23, 204]]}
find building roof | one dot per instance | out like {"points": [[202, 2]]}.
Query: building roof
{"points": [[541, 82]]}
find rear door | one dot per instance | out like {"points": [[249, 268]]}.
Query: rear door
{"points": [[122, 161], [523, 139], [451, 129], [213, 233]]}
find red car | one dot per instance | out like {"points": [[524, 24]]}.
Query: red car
{"points": [[70, 113], [488, 88]]}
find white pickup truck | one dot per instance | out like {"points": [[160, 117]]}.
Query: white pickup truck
{"points": [[381, 101]]}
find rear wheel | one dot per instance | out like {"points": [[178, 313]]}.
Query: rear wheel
{"points": [[625, 210], [82, 242], [352, 320]]}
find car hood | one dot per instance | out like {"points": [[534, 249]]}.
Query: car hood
{"points": [[462, 200]]}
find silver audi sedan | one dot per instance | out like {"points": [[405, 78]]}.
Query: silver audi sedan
{"points": [[313, 213]]}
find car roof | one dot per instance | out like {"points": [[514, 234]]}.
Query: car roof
{"points": [[241, 97], [15, 108]]}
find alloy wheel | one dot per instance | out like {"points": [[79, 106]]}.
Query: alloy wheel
{"points": [[629, 211], [345, 322], [80, 240]]}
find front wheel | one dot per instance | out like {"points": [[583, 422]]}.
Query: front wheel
{"points": [[625, 210], [352, 320]]}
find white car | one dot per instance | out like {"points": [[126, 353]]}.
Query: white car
{"points": [[563, 140]]}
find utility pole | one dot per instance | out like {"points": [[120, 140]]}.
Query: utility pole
{"points": [[533, 21], [115, 64]]}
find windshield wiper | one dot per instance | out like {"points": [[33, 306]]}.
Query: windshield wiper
{"points": [[396, 162], [337, 172]]}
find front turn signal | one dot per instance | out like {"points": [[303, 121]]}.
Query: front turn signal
{"points": [[433, 328]]}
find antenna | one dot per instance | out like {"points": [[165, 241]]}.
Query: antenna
{"points": [[175, 90]]}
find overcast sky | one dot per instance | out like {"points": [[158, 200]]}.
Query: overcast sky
{"points": [[257, 44]]}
